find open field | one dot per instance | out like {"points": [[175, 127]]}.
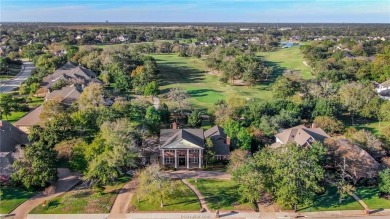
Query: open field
{"points": [[371, 197], [204, 88], [12, 197], [220, 194], [185, 200], [330, 202], [82, 201], [287, 58]]}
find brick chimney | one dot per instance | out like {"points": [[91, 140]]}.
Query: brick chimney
{"points": [[313, 126], [228, 140], [1, 123], [174, 125]]}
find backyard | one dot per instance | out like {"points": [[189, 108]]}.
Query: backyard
{"points": [[83, 200], [12, 197], [185, 200], [220, 194], [205, 89]]}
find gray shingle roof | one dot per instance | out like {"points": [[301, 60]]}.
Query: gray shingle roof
{"points": [[301, 135], [181, 138], [67, 94], [31, 118], [218, 137], [10, 136]]}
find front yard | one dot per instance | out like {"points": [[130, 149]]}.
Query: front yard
{"points": [[330, 202], [185, 200], [12, 197], [220, 194], [370, 196], [82, 201]]}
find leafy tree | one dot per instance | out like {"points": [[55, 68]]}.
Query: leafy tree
{"points": [[384, 181], [152, 184], [384, 111], [164, 113], [151, 89], [153, 118], [209, 156], [194, 119], [237, 158], [91, 97], [329, 124], [59, 84], [36, 167], [6, 105], [178, 98]]}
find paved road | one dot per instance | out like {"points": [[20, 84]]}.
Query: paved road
{"points": [[66, 181], [10, 85]]}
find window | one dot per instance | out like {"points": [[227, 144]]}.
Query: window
{"points": [[194, 151], [194, 160], [218, 157], [170, 151], [169, 160]]}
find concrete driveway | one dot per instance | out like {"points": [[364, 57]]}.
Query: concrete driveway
{"points": [[11, 84]]}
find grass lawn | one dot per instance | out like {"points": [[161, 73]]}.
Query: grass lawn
{"points": [[182, 201], [82, 201], [287, 58], [15, 116], [12, 197], [220, 194], [371, 197], [374, 127], [330, 202], [205, 89]]}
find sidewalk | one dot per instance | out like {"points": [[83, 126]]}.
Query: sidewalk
{"points": [[197, 192], [122, 201]]}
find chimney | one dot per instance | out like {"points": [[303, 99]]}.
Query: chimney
{"points": [[313, 126], [228, 140], [1, 123], [174, 125]]}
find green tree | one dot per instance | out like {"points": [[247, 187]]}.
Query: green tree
{"points": [[384, 181], [194, 119], [209, 156], [237, 158], [151, 89], [6, 105], [329, 124], [91, 97], [384, 112], [36, 166]]}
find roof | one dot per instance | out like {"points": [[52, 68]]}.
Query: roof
{"points": [[10, 137], [301, 135], [385, 84], [6, 161], [67, 94], [31, 118], [218, 137], [71, 73], [181, 138]]}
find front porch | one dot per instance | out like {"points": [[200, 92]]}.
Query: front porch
{"points": [[182, 158]]}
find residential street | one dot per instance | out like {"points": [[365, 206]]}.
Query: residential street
{"points": [[9, 85]]}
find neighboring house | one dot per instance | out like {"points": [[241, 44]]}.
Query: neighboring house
{"points": [[72, 74], [383, 90], [300, 135], [29, 120], [67, 95], [10, 137], [221, 143], [358, 163], [184, 148]]}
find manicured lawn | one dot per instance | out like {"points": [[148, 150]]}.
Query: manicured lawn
{"points": [[287, 58], [330, 202], [371, 197], [204, 88], [12, 197], [82, 201], [220, 194], [374, 127], [15, 116], [186, 200]]}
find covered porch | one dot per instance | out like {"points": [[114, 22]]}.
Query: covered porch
{"points": [[182, 158]]}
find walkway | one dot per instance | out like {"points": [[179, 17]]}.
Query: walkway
{"points": [[66, 181], [186, 174], [122, 201], [10, 85], [361, 202], [200, 196]]}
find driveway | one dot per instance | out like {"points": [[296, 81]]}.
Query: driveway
{"points": [[10, 85], [186, 174], [66, 181]]}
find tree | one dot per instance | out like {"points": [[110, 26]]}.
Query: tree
{"points": [[329, 124], [91, 97], [178, 98], [151, 89], [237, 158], [36, 167], [384, 112], [384, 181], [6, 105], [194, 119], [209, 156], [155, 184], [153, 118]]}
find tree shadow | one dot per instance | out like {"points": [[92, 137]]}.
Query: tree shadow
{"points": [[278, 71], [175, 72]]}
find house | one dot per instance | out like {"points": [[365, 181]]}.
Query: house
{"points": [[10, 137], [300, 135], [29, 120], [358, 163], [184, 148], [72, 74], [221, 142], [67, 95], [383, 90]]}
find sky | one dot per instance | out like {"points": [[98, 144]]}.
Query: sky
{"points": [[253, 11]]}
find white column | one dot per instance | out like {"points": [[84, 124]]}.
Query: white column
{"points": [[200, 158], [188, 159], [163, 158], [175, 158]]}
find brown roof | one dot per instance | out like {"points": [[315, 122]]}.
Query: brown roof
{"points": [[31, 118], [301, 135], [67, 94]]}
